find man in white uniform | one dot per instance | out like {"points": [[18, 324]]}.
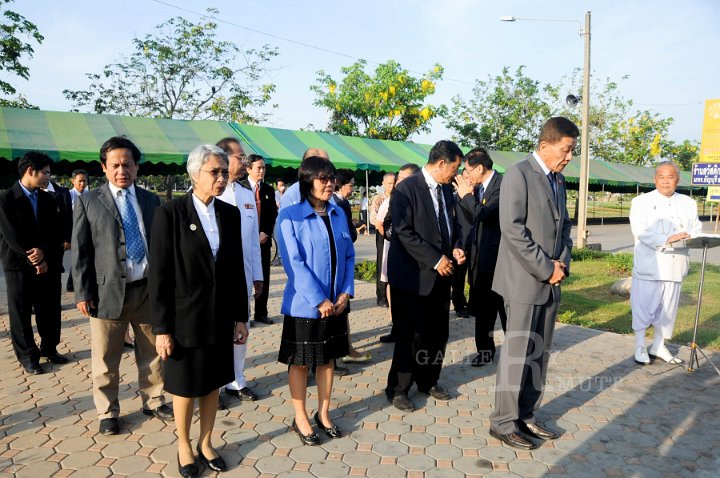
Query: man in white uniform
{"points": [[660, 220], [243, 198]]}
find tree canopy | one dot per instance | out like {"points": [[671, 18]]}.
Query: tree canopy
{"points": [[182, 71], [387, 105], [16, 33]]}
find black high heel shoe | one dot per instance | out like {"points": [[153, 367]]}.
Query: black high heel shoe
{"points": [[188, 471], [311, 440], [332, 432], [216, 464]]}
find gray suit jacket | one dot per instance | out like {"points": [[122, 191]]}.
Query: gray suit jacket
{"points": [[98, 248], [534, 232]]}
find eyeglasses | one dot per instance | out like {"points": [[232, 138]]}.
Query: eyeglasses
{"points": [[469, 170], [218, 172], [325, 179]]}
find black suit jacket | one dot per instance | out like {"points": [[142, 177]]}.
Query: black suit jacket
{"points": [[268, 206], [64, 205], [20, 232], [194, 297], [415, 244], [345, 206], [485, 237]]}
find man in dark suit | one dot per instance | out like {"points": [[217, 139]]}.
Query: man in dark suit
{"points": [[533, 260], [267, 210], [344, 183], [479, 190], [62, 198], [80, 183], [459, 301], [31, 249], [424, 243], [111, 234]]}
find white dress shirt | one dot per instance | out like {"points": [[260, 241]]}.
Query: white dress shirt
{"points": [[208, 222]]}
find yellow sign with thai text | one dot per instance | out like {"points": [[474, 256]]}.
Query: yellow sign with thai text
{"points": [[710, 146], [713, 194]]}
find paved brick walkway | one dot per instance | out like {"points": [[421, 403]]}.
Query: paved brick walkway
{"points": [[617, 419]]}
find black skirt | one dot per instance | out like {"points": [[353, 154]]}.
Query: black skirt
{"points": [[192, 372], [313, 342]]}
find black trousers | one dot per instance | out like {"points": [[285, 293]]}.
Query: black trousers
{"points": [[262, 300], [380, 291], [421, 326], [458, 286], [486, 305], [27, 291]]}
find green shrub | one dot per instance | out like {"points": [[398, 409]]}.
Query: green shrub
{"points": [[586, 254], [621, 262], [365, 271]]}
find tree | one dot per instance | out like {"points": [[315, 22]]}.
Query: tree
{"points": [[505, 112], [683, 154], [388, 105], [15, 29], [182, 71]]}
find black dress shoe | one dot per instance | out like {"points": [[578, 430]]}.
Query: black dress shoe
{"points": [[438, 393], [387, 339], [163, 412], [264, 320], [311, 440], [33, 368], [245, 394], [332, 432], [109, 426], [383, 303], [216, 464], [402, 402], [515, 440], [341, 371], [188, 471], [56, 358], [535, 430], [462, 312], [128, 345], [479, 360]]}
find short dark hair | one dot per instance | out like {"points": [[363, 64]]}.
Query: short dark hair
{"points": [[225, 143], [477, 156], [254, 158], [412, 166], [309, 170], [33, 159], [445, 150], [557, 128], [119, 142], [78, 171], [343, 177]]}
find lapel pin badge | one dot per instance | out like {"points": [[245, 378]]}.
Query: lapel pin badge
{"points": [[193, 227]]}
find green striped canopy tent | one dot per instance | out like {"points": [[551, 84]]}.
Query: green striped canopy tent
{"points": [[76, 138]]}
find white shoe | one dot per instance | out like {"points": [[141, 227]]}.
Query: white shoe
{"points": [[663, 353], [641, 355]]}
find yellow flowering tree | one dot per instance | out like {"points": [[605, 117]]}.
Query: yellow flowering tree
{"points": [[391, 104]]}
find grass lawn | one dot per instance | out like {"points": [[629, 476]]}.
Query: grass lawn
{"points": [[586, 301]]}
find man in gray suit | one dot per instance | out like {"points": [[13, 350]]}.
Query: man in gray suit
{"points": [[533, 260], [109, 246]]}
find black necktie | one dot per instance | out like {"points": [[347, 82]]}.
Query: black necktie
{"points": [[553, 185], [444, 235]]}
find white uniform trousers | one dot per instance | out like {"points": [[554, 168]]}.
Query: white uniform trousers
{"points": [[239, 353], [654, 302]]}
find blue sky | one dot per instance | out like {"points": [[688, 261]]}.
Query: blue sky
{"points": [[668, 48]]}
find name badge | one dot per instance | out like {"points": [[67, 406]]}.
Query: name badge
{"points": [[249, 206]]}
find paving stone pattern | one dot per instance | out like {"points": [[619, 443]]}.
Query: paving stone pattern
{"points": [[617, 419]]}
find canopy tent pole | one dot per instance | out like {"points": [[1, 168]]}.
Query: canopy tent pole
{"points": [[367, 195]]}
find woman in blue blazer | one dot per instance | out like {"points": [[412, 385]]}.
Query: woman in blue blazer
{"points": [[319, 259]]}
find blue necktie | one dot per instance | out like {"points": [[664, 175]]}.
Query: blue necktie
{"points": [[133, 239], [480, 193], [33, 201], [553, 184]]}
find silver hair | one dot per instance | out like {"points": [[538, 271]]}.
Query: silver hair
{"points": [[201, 155], [388, 175], [664, 164]]}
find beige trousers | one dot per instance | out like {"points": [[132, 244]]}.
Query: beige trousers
{"points": [[106, 351]]}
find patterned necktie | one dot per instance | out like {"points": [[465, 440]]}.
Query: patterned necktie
{"points": [[33, 201], [257, 200], [133, 239], [444, 234], [553, 184], [480, 193]]}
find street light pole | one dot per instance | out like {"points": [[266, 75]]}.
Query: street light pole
{"points": [[584, 135], [584, 144]]}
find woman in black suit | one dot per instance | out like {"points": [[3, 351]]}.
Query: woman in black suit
{"points": [[197, 287]]}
